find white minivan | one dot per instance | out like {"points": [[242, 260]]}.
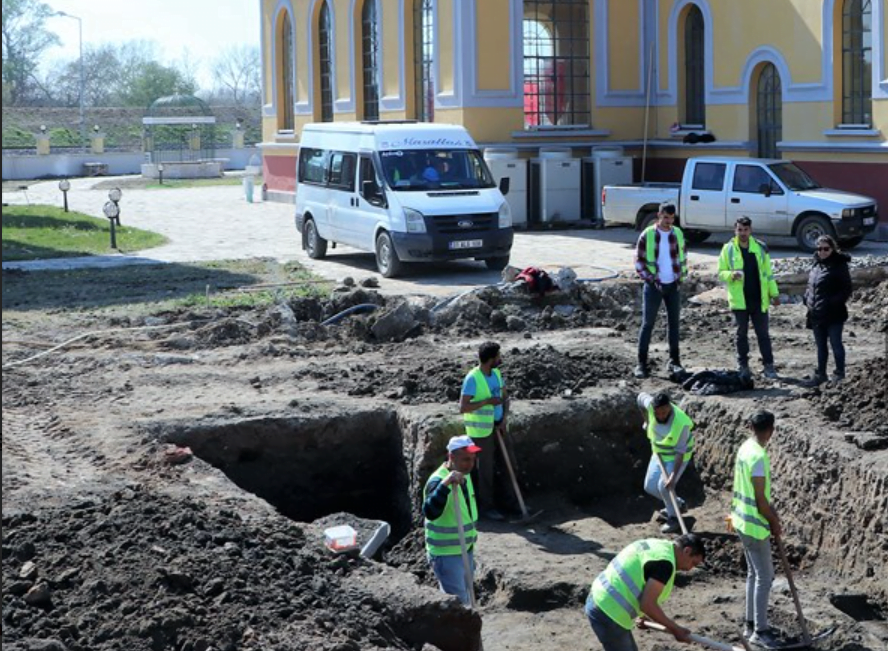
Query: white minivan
{"points": [[408, 191]]}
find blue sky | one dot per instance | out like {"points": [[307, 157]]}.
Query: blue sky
{"points": [[202, 28]]}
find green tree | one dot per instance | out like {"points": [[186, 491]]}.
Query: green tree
{"points": [[155, 80], [25, 38]]}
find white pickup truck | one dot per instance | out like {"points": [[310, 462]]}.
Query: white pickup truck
{"points": [[779, 197]]}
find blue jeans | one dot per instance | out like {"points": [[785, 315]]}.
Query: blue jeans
{"points": [[451, 575], [655, 482], [760, 325], [759, 576], [833, 333], [612, 636], [651, 298]]}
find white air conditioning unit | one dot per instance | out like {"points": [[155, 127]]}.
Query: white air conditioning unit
{"points": [[554, 187], [504, 163], [606, 166]]}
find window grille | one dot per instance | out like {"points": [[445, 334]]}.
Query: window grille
{"points": [[556, 63], [326, 63], [370, 57], [424, 48], [769, 112], [857, 62], [288, 94], [695, 89]]}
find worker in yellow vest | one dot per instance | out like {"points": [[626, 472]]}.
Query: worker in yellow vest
{"points": [[744, 265], [441, 532], [755, 520], [484, 405], [634, 586]]}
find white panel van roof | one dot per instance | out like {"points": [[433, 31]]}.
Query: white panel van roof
{"points": [[395, 135]]}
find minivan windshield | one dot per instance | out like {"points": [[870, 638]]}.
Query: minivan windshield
{"points": [[435, 169], [793, 177]]}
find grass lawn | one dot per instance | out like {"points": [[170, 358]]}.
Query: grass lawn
{"points": [[139, 182], [39, 232]]}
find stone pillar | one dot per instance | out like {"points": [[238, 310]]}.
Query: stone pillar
{"points": [[97, 143], [194, 140], [238, 139], [42, 143]]}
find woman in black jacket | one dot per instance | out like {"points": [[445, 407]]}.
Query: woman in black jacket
{"points": [[829, 288]]}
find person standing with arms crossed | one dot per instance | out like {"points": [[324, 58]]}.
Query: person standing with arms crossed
{"points": [[661, 262], [745, 267], [755, 520], [484, 405]]}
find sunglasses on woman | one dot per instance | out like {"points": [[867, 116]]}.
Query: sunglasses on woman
{"points": [[824, 248]]}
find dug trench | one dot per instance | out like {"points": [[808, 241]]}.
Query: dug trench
{"points": [[113, 540]]}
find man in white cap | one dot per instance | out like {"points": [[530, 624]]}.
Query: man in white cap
{"points": [[438, 507]]}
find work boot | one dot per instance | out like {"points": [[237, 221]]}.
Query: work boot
{"points": [[743, 370], [770, 372], [748, 629], [641, 371], [836, 377], [671, 526], [675, 368], [815, 380], [765, 639]]}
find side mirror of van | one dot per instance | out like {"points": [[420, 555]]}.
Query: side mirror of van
{"points": [[371, 192], [504, 185], [765, 189]]}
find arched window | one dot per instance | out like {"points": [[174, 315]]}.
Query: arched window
{"points": [[857, 62], [325, 43], [424, 48], [370, 60], [695, 89], [769, 112], [286, 81], [556, 62]]}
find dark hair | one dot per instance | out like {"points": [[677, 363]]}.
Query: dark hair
{"points": [[668, 207], [743, 221], [828, 239], [693, 541], [488, 351], [761, 421], [661, 400]]}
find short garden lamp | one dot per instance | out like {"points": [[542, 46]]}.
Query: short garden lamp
{"points": [[112, 212], [42, 128], [64, 186], [115, 194], [96, 129], [160, 172]]}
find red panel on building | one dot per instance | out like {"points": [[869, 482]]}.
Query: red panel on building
{"points": [[279, 172]]}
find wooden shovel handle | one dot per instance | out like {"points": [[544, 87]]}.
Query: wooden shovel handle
{"points": [[806, 635], [699, 639]]}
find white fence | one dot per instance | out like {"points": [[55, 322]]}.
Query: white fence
{"points": [[32, 166]]}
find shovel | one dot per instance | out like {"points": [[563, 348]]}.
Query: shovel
{"points": [[525, 514], [671, 492], [807, 639], [699, 639]]}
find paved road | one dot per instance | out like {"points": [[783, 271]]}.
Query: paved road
{"points": [[217, 223]]}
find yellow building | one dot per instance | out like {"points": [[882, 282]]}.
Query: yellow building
{"points": [[664, 79]]}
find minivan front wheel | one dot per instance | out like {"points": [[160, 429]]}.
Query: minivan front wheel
{"points": [[386, 257], [315, 245]]}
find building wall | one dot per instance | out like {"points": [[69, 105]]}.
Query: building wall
{"points": [[636, 79]]}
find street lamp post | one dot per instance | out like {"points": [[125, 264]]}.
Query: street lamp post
{"points": [[82, 81]]}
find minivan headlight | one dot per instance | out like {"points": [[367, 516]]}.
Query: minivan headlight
{"points": [[505, 215], [415, 221]]}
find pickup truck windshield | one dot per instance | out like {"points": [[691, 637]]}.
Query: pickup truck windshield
{"points": [[793, 177], [434, 169]]}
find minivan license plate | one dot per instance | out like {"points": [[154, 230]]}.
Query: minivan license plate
{"points": [[466, 244]]}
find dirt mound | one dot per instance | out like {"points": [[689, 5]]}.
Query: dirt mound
{"points": [[860, 402], [143, 571]]}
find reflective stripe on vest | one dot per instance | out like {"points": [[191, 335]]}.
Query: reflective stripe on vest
{"points": [[734, 259], [745, 515], [479, 423], [442, 535], [665, 447], [651, 249], [617, 591]]}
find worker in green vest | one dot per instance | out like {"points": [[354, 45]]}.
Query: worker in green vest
{"points": [[755, 520], [745, 267], [484, 405], [441, 531], [670, 431], [634, 586]]}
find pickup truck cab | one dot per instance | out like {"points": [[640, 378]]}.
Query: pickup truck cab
{"points": [[408, 191], [779, 197]]}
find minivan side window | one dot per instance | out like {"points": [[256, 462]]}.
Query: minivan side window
{"points": [[709, 176], [342, 171], [367, 172], [312, 166]]}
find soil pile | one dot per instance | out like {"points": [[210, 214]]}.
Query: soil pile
{"points": [[860, 402]]}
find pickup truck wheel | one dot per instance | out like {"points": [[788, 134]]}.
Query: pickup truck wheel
{"points": [[851, 242], [315, 245], [497, 264], [647, 219], [811, 228], [387, 261], [696, 237]]}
